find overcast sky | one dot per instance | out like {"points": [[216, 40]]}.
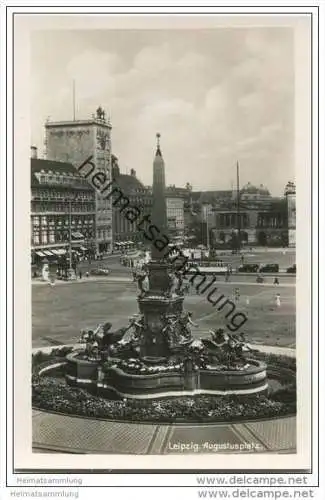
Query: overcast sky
{"points": [[214, 95]]}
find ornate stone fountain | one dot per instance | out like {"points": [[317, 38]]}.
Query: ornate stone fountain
{"points": [[155, 355]]}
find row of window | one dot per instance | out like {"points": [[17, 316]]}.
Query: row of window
{"points": [[228, 220], [104, 234], [60, 195], [63, 207], [48, 221], [59, 179], [270, 222], [47, 237], [231, 221]]}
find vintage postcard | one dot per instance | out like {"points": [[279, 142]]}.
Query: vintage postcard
{"points": [[163, 231]]}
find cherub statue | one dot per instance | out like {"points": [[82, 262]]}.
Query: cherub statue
{"points": [[241, 343], [179, 277], [186, 322], [103, 334], [137, 324], [143, 285], [89, 336], [172, 284], [219, 337], [94, 351], [83, 337], [169, 329], [99, 332]]}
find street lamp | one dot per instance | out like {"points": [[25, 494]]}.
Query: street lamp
{"points": [[238, 210], [207, 223]]}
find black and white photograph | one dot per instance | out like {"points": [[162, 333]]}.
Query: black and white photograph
{"points": [[163, 222], [167, 222]]}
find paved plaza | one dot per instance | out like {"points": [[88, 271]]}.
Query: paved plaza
{"points": [[60, 312], [62, 433]]}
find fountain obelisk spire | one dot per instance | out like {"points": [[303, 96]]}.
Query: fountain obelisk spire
{"points": [[159, 210], [159, 304]]}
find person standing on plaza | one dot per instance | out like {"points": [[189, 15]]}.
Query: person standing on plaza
{"points": [[278, 300]]}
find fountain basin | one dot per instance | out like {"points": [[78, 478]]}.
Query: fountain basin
{"points": [[174, 382]]}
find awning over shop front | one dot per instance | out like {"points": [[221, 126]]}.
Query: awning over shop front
{"points": [[77, 235], [59, 251], [124, 243], [40, 254], [48, 253]]}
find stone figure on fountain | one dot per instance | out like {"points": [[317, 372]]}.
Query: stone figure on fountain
{"points": [[94, 351], [87, 337], [186, 322], [172, 285], [224, 348], [170, 329], [179, 288], [219, 338], [143, 283], [138, 326]]}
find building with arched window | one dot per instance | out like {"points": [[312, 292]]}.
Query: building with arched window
{"points": [[261, 218]]}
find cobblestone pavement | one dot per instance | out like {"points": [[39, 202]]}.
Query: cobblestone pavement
{"points": [[65, 434]]}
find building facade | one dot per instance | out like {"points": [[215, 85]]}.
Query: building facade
{"points": [[259, 218], [75, 142], [125, 232], [63, 209], [175, 210]]}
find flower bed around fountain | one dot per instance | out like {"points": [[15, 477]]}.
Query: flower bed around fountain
{"points": [[52, 393]]}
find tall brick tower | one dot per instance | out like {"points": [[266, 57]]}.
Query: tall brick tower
{"points": [[74, 142]]}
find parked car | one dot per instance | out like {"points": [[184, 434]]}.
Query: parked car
{"points": [[248, 268], [292, 269], [269, 268], [100, 272]]}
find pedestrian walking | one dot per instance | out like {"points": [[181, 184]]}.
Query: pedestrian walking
{"points": [[276, 281], [80, 274], [278, 300]]}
